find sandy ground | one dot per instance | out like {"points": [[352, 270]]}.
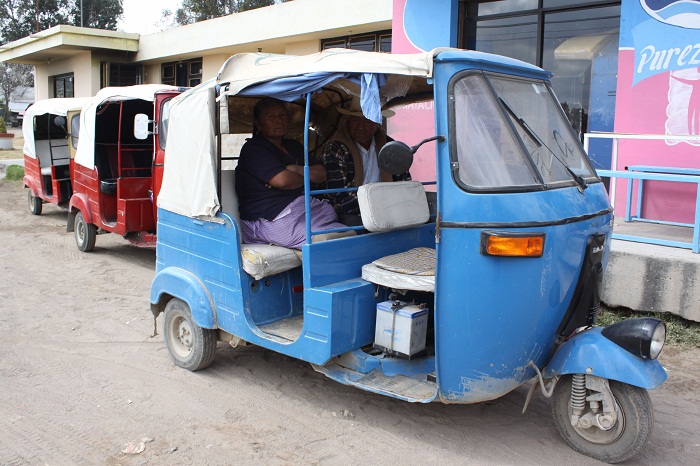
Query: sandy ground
{"points": [[82, 382]]}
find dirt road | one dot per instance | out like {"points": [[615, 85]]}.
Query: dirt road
{"points": [[83, 382]]}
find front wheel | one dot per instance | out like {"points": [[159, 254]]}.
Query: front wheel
{"points": [[190, 346], [85, 233], [35, 204], [635, 421]]}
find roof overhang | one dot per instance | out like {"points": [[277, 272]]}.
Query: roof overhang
{"points": [[64, 41]]}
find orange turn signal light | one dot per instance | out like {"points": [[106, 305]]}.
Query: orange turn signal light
{"points": [[507, 244]]}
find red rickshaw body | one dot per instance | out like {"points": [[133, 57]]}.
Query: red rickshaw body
{"points": [[47, 154], [116, 176]]}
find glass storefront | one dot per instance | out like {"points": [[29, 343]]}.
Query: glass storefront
{"points": [[576, 40]]}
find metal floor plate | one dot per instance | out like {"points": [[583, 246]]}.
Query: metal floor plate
{"points": [[289, 328], [398, 385]]}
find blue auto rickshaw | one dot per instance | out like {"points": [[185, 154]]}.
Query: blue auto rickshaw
{"points": [[458, 289]]}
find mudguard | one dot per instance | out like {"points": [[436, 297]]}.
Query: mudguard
{"points": [[589, 352], [78, 202], [183, 285], [31, 184]]}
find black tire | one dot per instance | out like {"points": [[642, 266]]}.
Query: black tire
{"points": [[85, 233], [635, 422], [35, 204], [190, 346]]}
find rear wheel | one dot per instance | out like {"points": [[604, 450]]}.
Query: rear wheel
{"points": [[35, 204], [635, 421], [190, 346], [85, 233]]}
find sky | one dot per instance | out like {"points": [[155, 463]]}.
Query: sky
{"points": [[140, 16]]}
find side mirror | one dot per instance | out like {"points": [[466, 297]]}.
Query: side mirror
{"points": [[395, 158], [60, 121], [141, 122]]}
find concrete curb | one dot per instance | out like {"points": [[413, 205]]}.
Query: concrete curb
{"points": [[646, 277]]}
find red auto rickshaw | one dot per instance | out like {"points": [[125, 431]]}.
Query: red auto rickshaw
{"points": [[118, 165], [47, 151]]}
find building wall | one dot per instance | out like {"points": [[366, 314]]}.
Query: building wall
{"points": [[81, 65], [659, 93], [269, 28]]}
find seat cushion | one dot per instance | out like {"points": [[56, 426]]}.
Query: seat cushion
{"points": [[410, 270], [261, 260], [390, 206], [397, 281]]}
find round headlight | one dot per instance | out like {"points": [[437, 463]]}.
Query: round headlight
{"points": [[657, 340], [644, 337]]}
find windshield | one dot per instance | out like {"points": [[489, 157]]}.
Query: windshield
{"points": [[511, 133], [163, 123]]}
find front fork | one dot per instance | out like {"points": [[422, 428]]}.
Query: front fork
{"points": [[604, 419], [601, 394]]}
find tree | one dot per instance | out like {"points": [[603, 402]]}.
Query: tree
{"points": [[100, 14], [12, 77], [193, 11], [21, 18]]}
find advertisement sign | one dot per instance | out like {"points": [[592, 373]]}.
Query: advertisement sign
{"points": [[658, 93]]}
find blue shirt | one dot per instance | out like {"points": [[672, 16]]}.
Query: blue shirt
{"points": [[259, 162]]}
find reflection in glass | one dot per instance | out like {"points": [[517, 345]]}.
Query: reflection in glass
{"points": [[512, 37], [506, 6], [572, 40]]}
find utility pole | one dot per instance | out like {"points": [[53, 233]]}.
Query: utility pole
{"points": [[81, 13], [36, 14]]}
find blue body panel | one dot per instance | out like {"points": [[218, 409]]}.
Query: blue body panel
{"points": [[338, 307], [590, 352], [496, 314]]}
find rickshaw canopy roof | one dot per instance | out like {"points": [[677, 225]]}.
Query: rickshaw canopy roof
{"points": [[58, 107], [85, 155], [189, 180]]}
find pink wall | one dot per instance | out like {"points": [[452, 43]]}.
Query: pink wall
{"points": [[419, 26], [656, 73]]}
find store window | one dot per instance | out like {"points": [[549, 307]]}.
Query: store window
{"points": [[63, 86], [184, 73], [370, 42], [576, 40]]}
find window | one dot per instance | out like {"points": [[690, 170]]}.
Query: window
{"points": [[63, 86], [75, 130], [511, 134], [371, 42], [120, 74], [185, 73]]}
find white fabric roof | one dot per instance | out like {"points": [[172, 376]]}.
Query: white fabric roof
{"points": [[245, 69], [85, 155], [189, 178], [52, 107], [189, 174]]}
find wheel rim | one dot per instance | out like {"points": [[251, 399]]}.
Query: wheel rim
{"points": [[32, 201], [180, 333], [600, 436], [80, 232]]}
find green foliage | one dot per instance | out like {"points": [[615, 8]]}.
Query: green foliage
{"points": [[3, 126], [20, 18], [14, 173], [100, 14], [679, 331]]}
